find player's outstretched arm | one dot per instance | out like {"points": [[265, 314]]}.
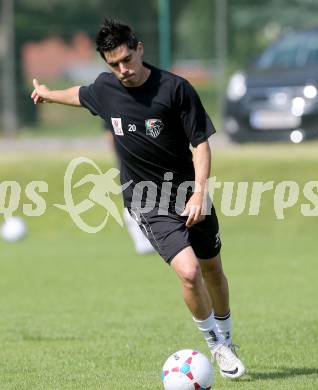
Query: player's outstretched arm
{"points": [[42, 94]]}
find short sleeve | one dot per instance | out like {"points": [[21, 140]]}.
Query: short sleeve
{"points": [[90, 96], [195, 121]]}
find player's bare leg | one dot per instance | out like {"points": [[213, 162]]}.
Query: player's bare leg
{"points": [[197, 298], [194, 291], [216, 283], [218, 289]]}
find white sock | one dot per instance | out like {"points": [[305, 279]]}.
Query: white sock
{"points": [[224, 327], [209, 330]]}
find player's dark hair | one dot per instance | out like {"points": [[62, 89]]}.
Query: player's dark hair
{"points": [[113, 34]]}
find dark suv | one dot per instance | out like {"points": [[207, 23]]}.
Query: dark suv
{"points": [[277, 98]]}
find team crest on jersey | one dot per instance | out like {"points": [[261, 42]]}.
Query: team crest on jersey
{"points": [[154, 127], [117, 125]]}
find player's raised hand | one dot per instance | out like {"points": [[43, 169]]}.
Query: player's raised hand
{"points": [[40, 92]]}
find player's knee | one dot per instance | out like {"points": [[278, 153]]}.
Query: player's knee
{"points": [[191, 276]]}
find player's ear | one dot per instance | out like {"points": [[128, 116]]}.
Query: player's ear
{"points": [[140, 48]]}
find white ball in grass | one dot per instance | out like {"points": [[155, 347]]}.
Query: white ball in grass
{"points": [[13, 229]]}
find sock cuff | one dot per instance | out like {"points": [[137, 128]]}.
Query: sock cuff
{"points": [[223, 318], [207, 324]]}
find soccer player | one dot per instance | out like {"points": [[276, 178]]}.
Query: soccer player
{"points": [[154, 117]]}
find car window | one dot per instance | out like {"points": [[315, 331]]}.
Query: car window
{"points": [[295, 50]]}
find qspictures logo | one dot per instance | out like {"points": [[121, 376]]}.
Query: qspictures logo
{"points": [[235, 197], [104, 185]]}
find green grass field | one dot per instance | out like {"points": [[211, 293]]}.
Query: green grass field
{"points": [[81, 311]]}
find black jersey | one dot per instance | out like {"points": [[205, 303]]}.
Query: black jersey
{"points": [[153, 126]]}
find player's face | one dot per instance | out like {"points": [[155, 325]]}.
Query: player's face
{"points": [[127, 64]]}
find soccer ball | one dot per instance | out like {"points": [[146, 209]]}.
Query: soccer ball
{"points": [[13, 229], [187, 370]]}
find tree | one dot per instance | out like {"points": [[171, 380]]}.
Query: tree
{"points": [[36, 20]]}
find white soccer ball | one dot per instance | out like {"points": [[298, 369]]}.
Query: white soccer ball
{"points": [[187, 370], [13, 229]]}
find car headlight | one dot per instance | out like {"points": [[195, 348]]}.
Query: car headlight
{"points": [[310, 91], [236, 88]]}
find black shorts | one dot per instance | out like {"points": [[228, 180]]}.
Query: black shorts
{"points": [[168, 234]]}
